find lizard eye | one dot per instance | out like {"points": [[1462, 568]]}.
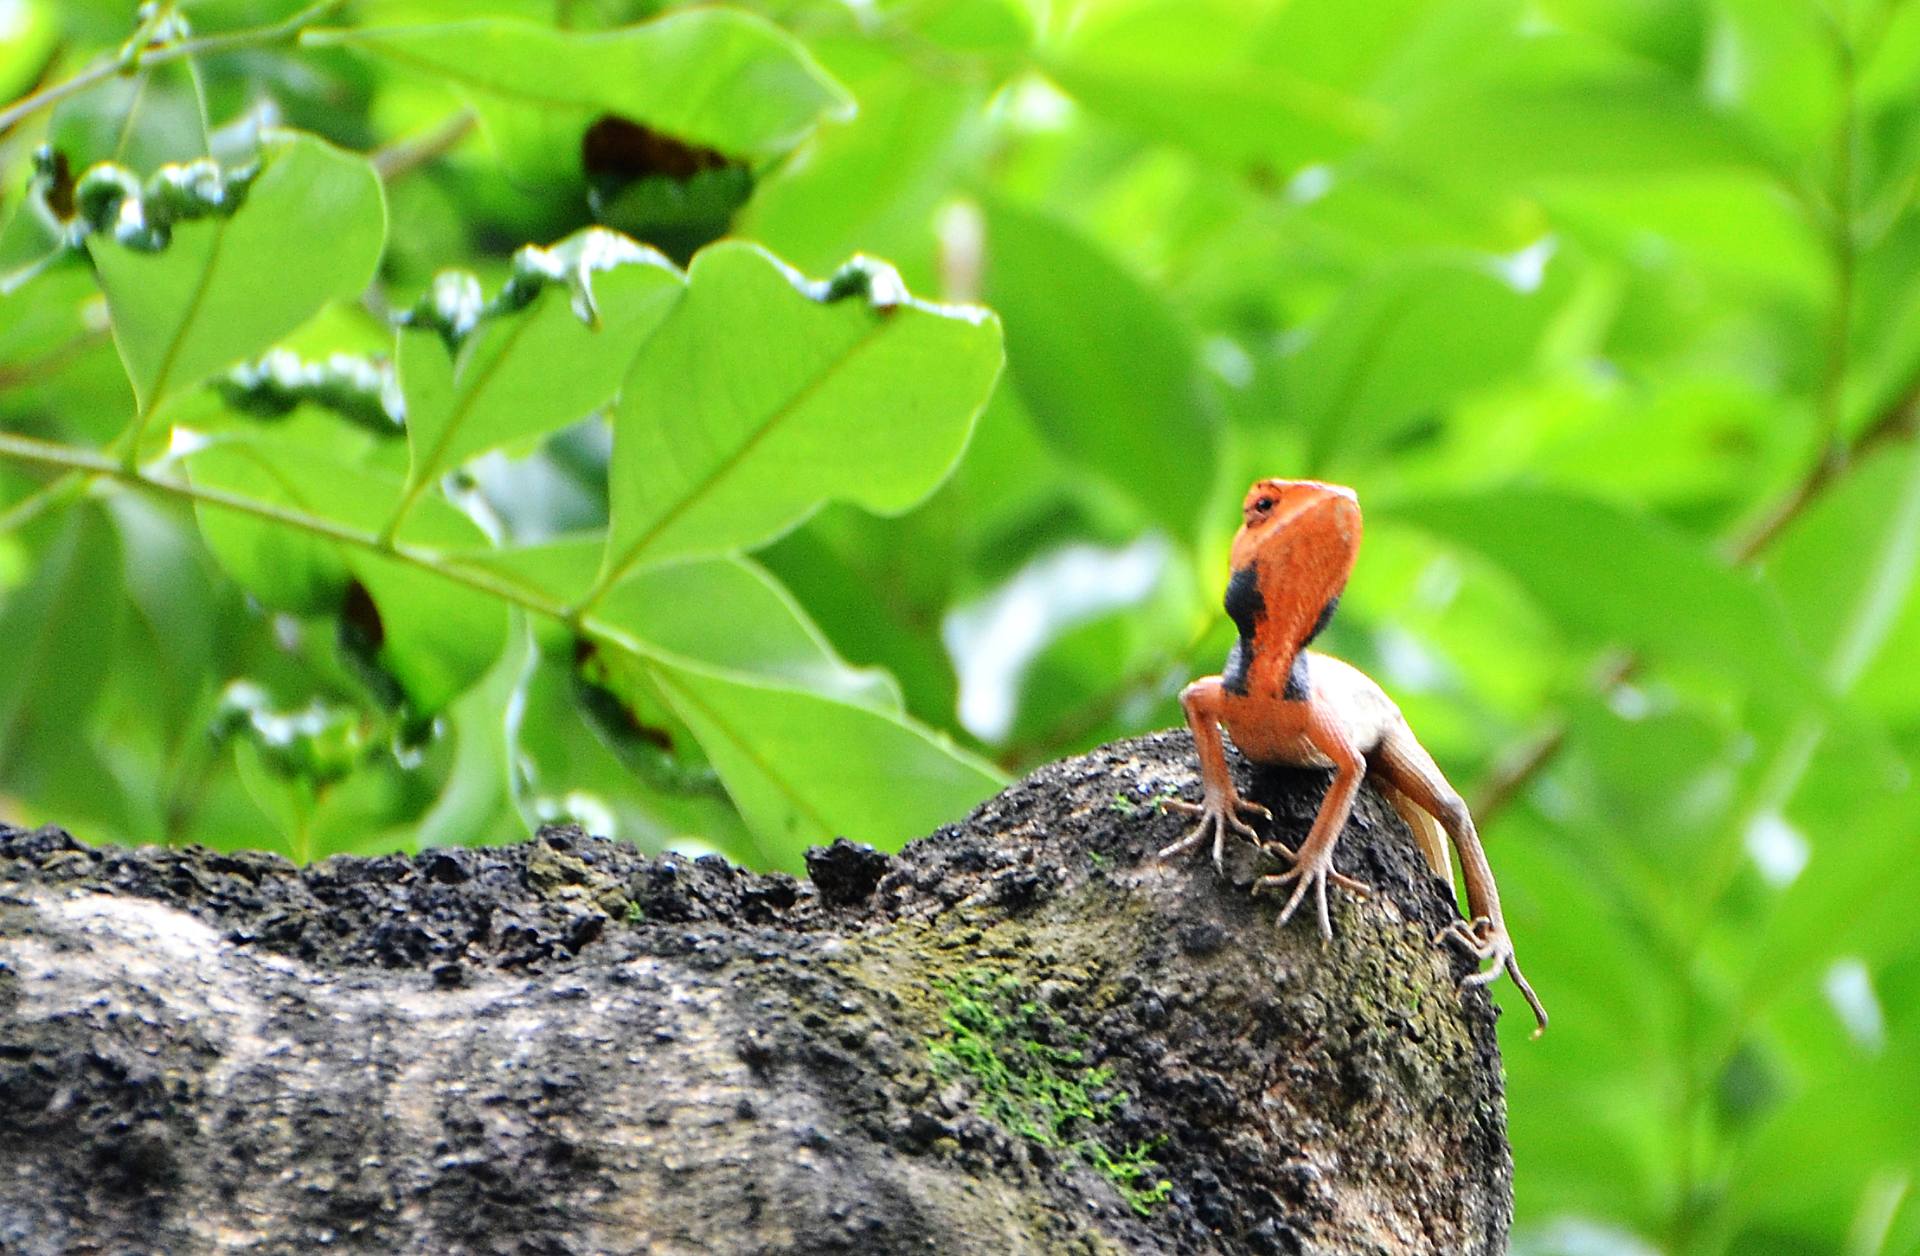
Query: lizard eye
{"points": [[1263, 505]]}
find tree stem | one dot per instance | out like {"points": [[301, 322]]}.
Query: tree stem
{"points": [[135, 54], [87, 462]]}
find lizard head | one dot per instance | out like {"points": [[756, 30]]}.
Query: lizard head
{"points": [[1298, 540], [1303, 514]]}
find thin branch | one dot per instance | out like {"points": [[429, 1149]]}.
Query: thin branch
{"points": [[48, 97], [88, 462], [401, 158], [137, 54], [1517, 769], [1896, 424]]}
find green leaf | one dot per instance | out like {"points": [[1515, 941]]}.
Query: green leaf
{"points": [[1208, 76], [805, 768], [32, 33], [728, 613], [762, 396], [480, 800], [748, 673], [286, 568], [716, 77], [1559, 105], [562, 570], [1846, 571], [286, 801], [504, 386], [436, 637], [309, 231], [874, 182], [58, 629], [1609, 575], [1111, 375], [1409, 342]]}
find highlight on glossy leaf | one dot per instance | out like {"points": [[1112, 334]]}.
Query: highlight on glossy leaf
{"points": [[109, 199], [362, 390]]}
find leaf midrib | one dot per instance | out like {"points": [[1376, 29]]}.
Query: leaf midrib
{"points": [[727, 465], [463, 409], [172, 356], [747, 751]]}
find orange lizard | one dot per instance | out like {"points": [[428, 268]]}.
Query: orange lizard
{"points": [[1285, 704]]}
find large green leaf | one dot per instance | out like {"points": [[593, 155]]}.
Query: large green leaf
{"points": [[1208, 75], [57, 629], [675, 609], [1111, 375], [309, 231], [763, 396], [507, 382], [743, 668], [1559, 105], [436, 637], [805, 768], [287, 568], [1407, 343], [1609, 575], [715, 76], [728, 612]]}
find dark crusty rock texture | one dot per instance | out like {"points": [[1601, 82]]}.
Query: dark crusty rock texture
{"points": [[1002, 1040]]}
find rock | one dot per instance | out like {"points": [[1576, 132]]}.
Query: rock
{"points": [[1021, 1034]]}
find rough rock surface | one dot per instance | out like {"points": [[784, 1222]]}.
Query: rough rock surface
{"points": [[999, 1041]]}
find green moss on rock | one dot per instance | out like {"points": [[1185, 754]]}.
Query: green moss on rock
{"points": [[1031, 1077]]}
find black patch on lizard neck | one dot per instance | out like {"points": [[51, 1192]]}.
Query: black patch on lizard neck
{"points": [[1239, 659], [1320, 624], [1299, 686], [1246, 608]]}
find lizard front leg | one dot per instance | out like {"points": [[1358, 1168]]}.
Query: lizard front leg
{"points": [[1220, 805], [1313, 864]]}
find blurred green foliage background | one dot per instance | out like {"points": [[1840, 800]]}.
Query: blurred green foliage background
{"points": [[1609, 309]]}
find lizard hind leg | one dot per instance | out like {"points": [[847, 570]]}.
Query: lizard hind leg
{"points": [[1411, 771]]}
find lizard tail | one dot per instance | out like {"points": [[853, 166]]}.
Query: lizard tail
{"points": [[1427, 833]]}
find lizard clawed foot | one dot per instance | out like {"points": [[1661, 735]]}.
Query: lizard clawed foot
{"points": [[1489, 944], [1217, 815], [1313, 874]]}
